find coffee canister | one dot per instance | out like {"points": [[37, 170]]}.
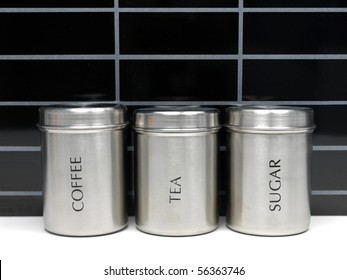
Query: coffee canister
{"points": [[83, 169], [176, 170], [268, 150]]}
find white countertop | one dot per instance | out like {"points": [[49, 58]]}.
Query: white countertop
{"points": [[27, 251]]}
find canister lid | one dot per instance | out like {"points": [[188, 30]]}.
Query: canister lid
{"points": [[93, 116], [176, 119], [269, 118]]}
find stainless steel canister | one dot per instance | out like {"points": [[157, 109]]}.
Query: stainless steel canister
{"points": [[83, 169], [269, 152], [176, 170]]}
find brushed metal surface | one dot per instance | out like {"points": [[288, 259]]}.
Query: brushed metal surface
{"points": [[176, 118], [269, 179], [83, 181], [161, 159], [176, 178], [85, 117], [269, 118]]}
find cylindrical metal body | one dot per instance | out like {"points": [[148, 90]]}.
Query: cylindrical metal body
{"points": [[83, 169], [269, 150], [176, 170]]}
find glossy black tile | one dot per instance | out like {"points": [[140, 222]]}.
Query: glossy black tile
{"points": [[178, 33], [57, 80], [57, 33], [21, 206], [329, 205], [328, 169], [295, 3], [294, 80], [18, 126], [330, 130], [20, 171], [295, 33], [178, 3], [56, 3], [178, 80]]}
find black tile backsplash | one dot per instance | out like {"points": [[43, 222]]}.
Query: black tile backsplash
{"points": [[57, 33], [329, 170], [295, 33], [18, 126], [328, 204], [57, 80], [330, 130], [139, 53], [178, 33], [15, 136], [21, 205], [178, 80], [20, 171], [299, 80]]}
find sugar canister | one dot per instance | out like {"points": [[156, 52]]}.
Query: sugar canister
{"points": [[176, 170], [83, 169], [268, 151]]}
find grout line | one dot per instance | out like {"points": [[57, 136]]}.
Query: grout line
{"points": [[59, 57], [180, 56], [296, 10], [329, 192], [56, 10], [117, 50], [295, 56], [179, 10], [174, 10], [240, 53], [233, 10], [329, 148], [304, 102], [20, 149], [119, 56], [20, 193]]}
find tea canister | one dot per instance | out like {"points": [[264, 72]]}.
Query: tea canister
{"points": [[176, 170], [269, 155]]}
